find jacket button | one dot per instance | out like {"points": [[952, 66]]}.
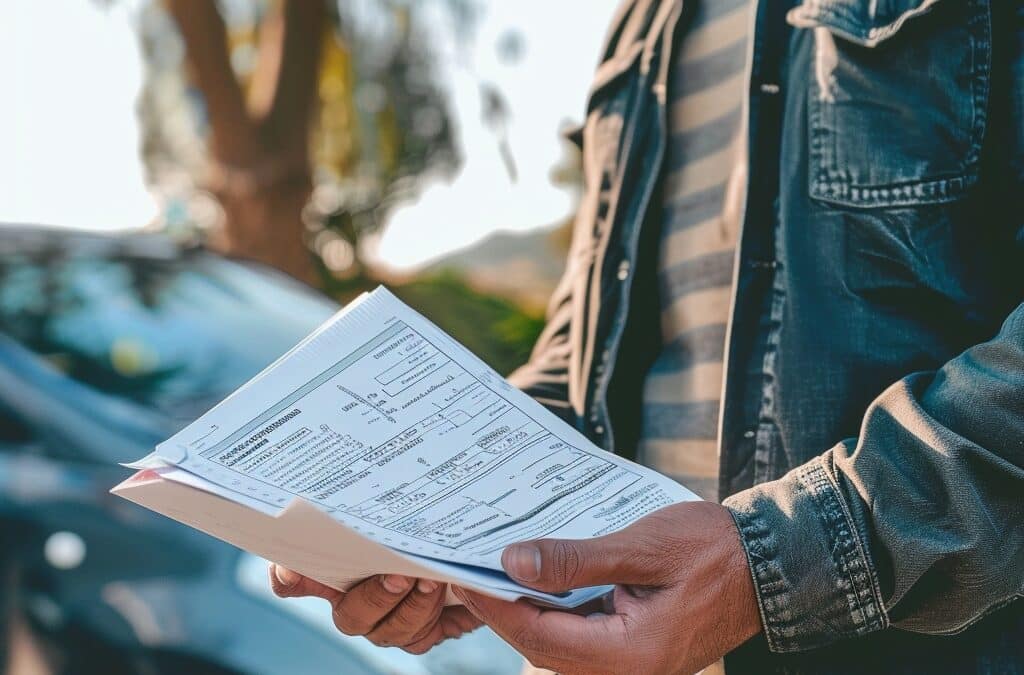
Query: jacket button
{"points": [[599, 430], [623, 272]]}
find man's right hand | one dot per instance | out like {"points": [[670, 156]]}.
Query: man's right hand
{"points": [[390, 611]]}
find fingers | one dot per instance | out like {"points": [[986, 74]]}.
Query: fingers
{"points": [[413, 619], [551, 636], [288, 584], [434, 637], [360, 610], [454, 623], [457, 621], [389, 610], [558, 565]]}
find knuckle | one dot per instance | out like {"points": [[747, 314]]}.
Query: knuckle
{"points": [[431, 634], [419, 603], [406, 623], [378, 599], [384, 635], [348, 624], [528, 640], [419, 612], [521, 637], [426, 629], [565, 562], [420, 635], [404, 626]]}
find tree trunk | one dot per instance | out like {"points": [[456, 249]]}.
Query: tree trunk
{"points": [[259, 148]]}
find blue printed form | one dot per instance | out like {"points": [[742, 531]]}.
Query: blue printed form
{"points": [[391, 427]]}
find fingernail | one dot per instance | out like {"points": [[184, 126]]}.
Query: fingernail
{"points": [[285, 576], [522, 561], [395, 583], [426, 586]]}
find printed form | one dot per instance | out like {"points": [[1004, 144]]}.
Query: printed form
{"points": [[384, 422]]}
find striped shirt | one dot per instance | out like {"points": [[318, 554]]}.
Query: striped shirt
{"points": [[703, 182], [703, 179]]}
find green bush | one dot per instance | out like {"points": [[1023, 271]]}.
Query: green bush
{"points": [[494, 328]]}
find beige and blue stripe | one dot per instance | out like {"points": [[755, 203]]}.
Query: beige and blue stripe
{"points": [[683, 389]]}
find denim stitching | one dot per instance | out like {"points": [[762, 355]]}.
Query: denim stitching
{"points": [[833, 185], [854, 578], [851, 561], [981, 33], [768, 583], [782, 629]]}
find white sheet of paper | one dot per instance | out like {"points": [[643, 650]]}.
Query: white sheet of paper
{"points": [[395, 430], [305, 539]]}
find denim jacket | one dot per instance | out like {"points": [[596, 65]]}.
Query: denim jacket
{"points": [[872, 427]]}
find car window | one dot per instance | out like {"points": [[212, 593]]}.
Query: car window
{"points": [[13, 432], [173, 334]]}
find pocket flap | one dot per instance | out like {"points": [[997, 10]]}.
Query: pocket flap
{"points": [[866, 22]]}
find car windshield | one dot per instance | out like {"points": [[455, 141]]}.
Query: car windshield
{"points": [[174, 333]]}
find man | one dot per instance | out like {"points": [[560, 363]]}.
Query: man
{"points": [[871, 437]]}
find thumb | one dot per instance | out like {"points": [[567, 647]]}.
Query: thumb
{"points": [[559, 565]]}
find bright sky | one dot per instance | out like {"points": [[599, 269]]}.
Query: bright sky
{"points": [[71, 71], [545, 88], [69, 75]]}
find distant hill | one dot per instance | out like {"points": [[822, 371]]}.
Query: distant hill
{"points": [[524, 266]]}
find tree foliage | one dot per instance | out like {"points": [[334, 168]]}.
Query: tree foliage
{"points": [[302, 123]]}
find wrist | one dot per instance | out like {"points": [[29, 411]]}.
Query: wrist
{"points": [[742, 595]]}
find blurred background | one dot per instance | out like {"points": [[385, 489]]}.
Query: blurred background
{"points": [[188, 187]]}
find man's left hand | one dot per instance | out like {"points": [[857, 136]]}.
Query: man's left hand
{"points": [[683, 597]]}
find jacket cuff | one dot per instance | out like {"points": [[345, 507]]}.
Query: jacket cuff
{"points": [[815, 583]]}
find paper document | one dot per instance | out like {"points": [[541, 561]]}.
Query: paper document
{"points": [[391, 428]]}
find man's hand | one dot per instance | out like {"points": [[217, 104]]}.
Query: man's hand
{"points": [[391, 611], [683, 599]]}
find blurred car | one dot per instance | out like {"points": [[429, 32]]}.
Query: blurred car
{"points": [[109, 344]]}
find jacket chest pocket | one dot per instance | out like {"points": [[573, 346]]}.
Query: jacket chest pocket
{"points": [[897, 100]]}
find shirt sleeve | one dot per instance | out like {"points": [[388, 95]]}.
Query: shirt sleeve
{"points": [[545, 376], [917, 523]]}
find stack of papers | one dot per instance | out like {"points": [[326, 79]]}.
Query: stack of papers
{"points": [[380, 445]]}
